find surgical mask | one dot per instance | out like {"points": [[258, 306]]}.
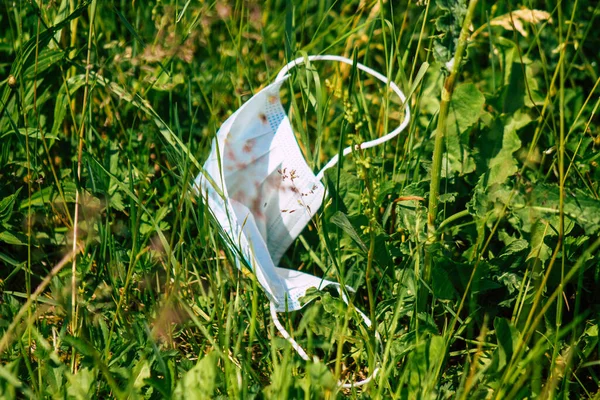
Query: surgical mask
{"points": [[262, 193]]}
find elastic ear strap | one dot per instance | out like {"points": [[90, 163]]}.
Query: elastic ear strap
{"points": [[305, 356], [285, 333], [377, 336], [334, 160]]}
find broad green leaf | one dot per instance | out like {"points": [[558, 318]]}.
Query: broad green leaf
{"points": [[321, 376], [167, 83], [539, 249], [485, 199], [508, 337], [589, 340], [429, 104], [116, 201], [442, 285], [543, 203], [508, 266], [349, 190], [199, 382], [140, 374], [81, 384], [514, 92], [498, 145], [519, 88], [320, 317], [448, 197], [466, 107]]}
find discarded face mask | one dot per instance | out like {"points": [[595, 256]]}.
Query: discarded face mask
{"points": [[262, 193]]}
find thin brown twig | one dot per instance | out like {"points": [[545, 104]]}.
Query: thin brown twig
{"points": [[6, 338]]}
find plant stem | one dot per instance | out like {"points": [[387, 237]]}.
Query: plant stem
{"points": [[438, 151], [74, 308]]}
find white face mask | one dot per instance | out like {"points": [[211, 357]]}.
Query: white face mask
{"points": [[262, 192]]}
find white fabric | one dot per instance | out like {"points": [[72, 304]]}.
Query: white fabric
{"points": [[262, 192], [269, 193]]}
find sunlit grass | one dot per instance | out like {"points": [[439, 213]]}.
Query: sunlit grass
{"points": [[115, 281]]}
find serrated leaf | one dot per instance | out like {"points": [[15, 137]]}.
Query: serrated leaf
{"points": [[483, 199], [154, 222], [332, 305], [448, 25], [447, 197], [116, 201], [513, 249]]}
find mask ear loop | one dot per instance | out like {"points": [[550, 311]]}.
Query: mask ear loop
{"points": [[365, 145], [305, 356]]}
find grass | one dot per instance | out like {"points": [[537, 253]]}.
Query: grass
{"points": [[472, 238]]}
